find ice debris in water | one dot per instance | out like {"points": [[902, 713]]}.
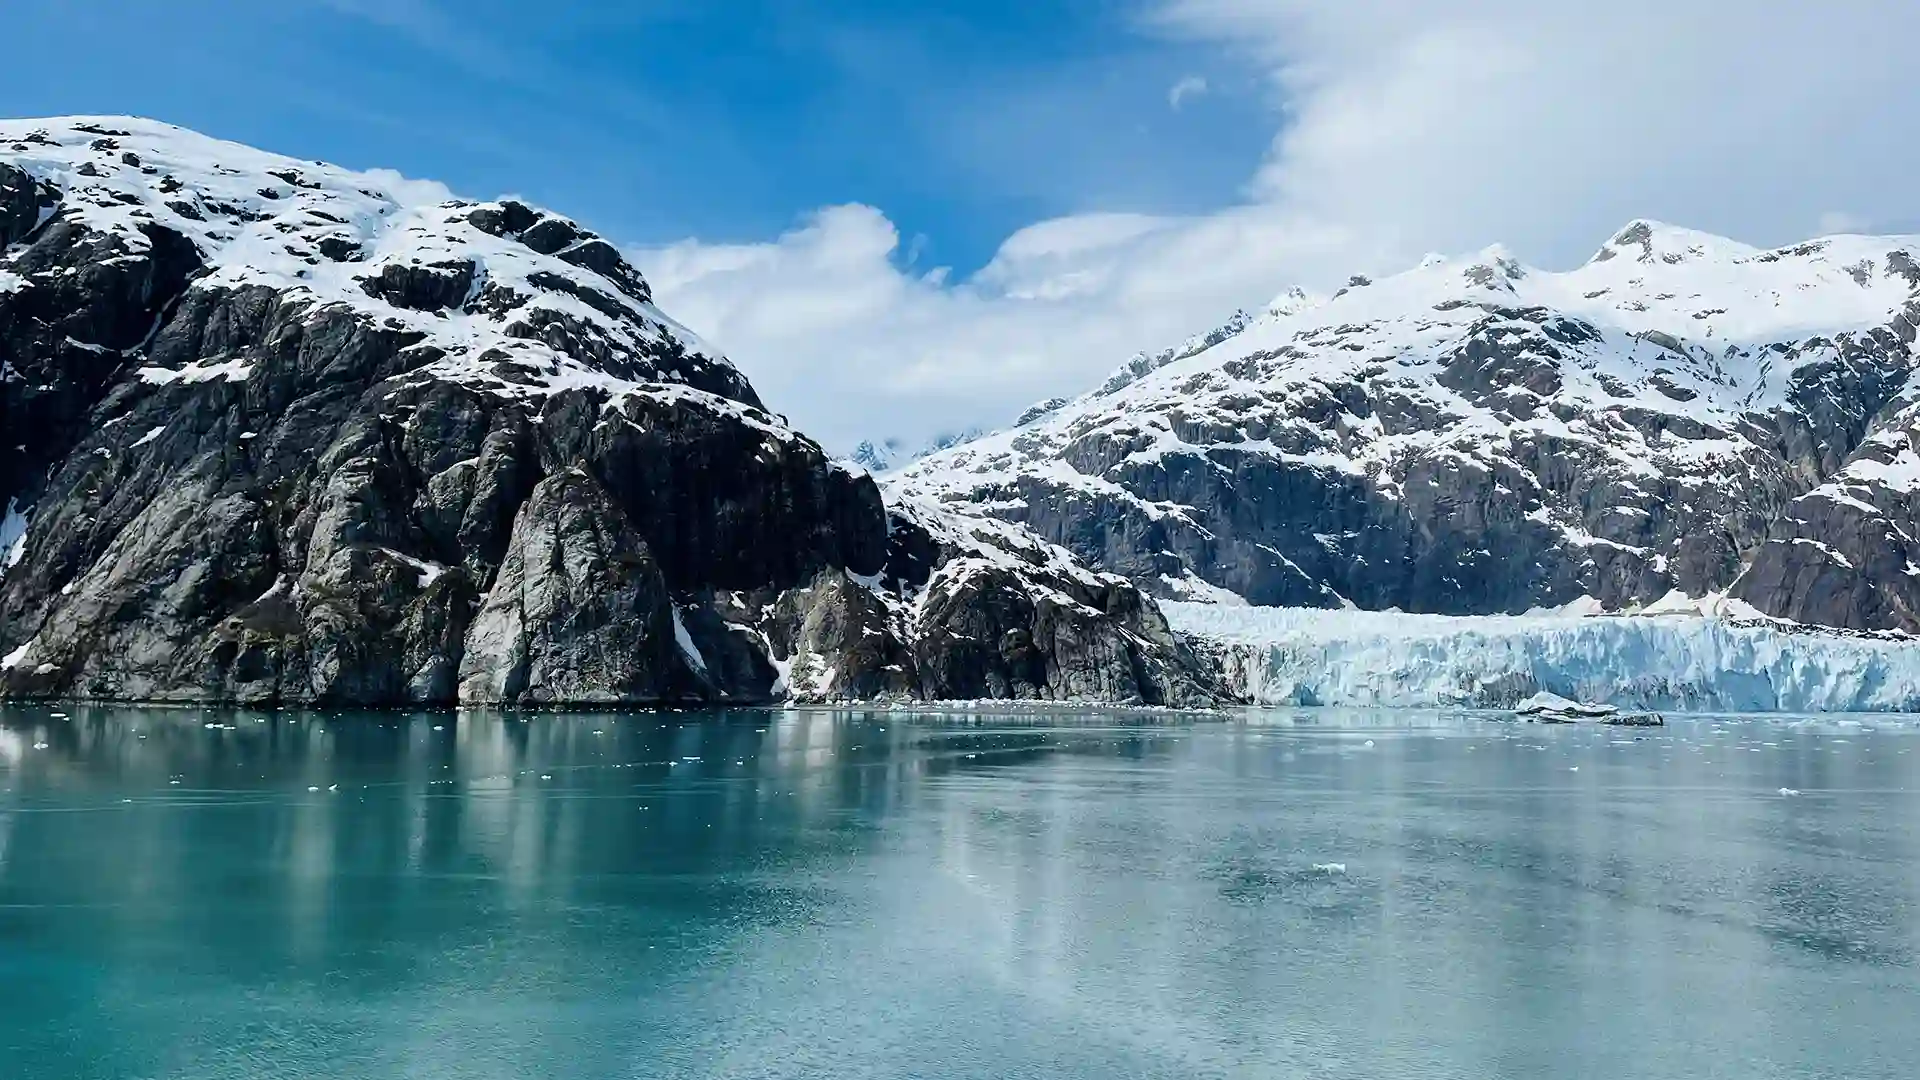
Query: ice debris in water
{"points": [[1789, 792]]}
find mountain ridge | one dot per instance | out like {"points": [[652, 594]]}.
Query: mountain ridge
{"points": [[1477, 436], [284, 433]]}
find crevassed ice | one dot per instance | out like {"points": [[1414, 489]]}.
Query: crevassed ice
{"points": [[1293, 656], [13, 536]]}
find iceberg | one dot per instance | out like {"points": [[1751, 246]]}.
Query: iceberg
{"points": [[1551, 704], [1674, 662]]}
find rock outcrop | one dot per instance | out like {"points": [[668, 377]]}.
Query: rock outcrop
{"points": [[971, 608], [276, 432]]}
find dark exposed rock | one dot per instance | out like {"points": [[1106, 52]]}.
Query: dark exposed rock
{"points": [[84, 299], [550, 235], [605, 259], [507, 218], [340, 249], [967, 609], [422, 288], [22, 200], [579, 611], [841, 641], [1845, 553], [1005, 616]]}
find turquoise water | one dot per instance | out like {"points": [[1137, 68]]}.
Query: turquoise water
{"points": [[863, 895]]}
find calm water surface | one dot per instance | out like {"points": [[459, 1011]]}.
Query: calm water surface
{"points": [[864, 895]]}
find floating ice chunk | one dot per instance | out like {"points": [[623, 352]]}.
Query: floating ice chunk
{"points": [[1545, 704]]}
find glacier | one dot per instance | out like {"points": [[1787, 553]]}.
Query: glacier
{"points": [[1676, 662]]}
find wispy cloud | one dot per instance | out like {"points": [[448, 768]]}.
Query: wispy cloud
{"points": [[431, 28], [446, 33], [1188, 87]]}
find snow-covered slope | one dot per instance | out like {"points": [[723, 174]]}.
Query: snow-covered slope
{"points": [[515, 299], [1475, 435], [1295, 656]]}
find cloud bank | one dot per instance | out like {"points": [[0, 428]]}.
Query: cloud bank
{"points": [[1400, 127]]}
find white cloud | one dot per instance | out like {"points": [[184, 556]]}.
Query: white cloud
{"points": [[1835, 222], [834, 333], [1189, 86], [1406, 127]]}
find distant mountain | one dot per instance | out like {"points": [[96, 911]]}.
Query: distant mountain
{"points": [[1683, 413], [878, 457], [889, 454], [278, 432]]}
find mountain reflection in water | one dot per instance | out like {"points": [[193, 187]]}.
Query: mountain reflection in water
{"points": [[192, 893]]}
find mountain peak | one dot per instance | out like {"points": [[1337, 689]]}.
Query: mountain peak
{"points": [[1645, 240], [516, 299], [1292, 301]]}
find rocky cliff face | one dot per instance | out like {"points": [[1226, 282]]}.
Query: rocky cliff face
{"points": [[1681, 414], [280, 432]]}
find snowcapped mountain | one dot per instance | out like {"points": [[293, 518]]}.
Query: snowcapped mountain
{"points": [[1477, 436], [481, 282], [890, 454], [277, 431], [878, 457]]}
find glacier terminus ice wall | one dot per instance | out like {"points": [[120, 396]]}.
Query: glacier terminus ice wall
{"points": [[1680, 662]]}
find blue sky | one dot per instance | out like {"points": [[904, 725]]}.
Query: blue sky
{"points": [[903, 219], [660, 119]]}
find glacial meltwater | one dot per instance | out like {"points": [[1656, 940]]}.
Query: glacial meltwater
{"points": [[206, 895]]}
